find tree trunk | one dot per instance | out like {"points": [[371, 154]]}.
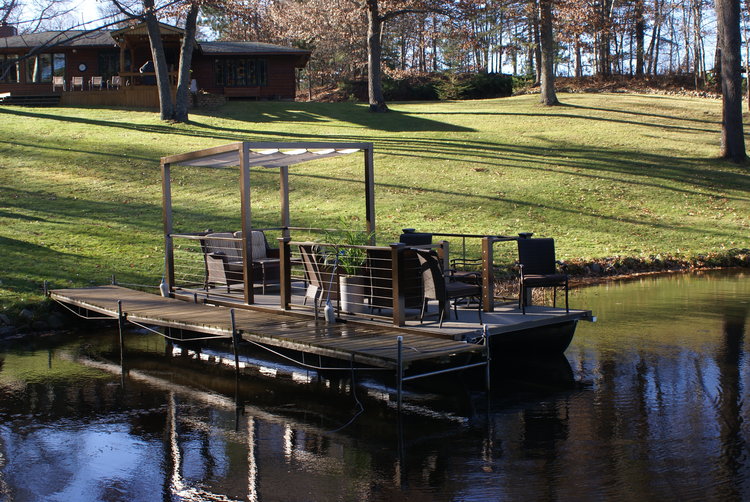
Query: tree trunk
{"points": [[537, 47], [186, 60], [728, 24], [166, 107], [374, 52], [640, 28], [547, 65]]}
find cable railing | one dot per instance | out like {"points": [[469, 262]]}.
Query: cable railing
{"points": [[328, 278]]}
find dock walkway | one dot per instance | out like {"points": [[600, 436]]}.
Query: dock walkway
{"points": [[372, 345]]}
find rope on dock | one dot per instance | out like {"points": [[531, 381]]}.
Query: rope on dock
{"points": [[214, 337], [90, 318], [313, 367]]}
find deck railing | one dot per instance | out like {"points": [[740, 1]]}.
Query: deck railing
{"points": [[383, 282]]}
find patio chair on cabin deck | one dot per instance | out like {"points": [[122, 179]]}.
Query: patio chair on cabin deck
{"points": [[115, 82], [438, 287], [97, 81], [536, 258], [76, 82], [58, 81]]}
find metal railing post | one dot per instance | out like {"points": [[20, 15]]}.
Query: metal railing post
{"points": [[488, 275], [285, 272], [235, 343], [399, 302]]}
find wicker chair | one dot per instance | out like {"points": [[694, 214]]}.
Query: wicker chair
{"points": [[536, 258], [222, 252], [437, 287]]}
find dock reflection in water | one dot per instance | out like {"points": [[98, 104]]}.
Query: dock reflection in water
{"points": [[647, 403]]}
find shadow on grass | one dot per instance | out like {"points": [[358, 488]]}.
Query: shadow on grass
{"points": [[626, 167], [461, 200], [314, 113], [23, 261]]}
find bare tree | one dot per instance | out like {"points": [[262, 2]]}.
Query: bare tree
{"points": [[728, 26], [547, 40]]}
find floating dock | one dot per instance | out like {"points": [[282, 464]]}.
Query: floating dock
{"points": [[356, 342]]}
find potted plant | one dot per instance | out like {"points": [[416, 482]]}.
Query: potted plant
{"points": [[349, 263]]}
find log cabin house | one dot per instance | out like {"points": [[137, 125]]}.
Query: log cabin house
{"points": [[76, 67]]}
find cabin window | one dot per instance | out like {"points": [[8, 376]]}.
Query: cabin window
{"points": [[9, 68], [241, 72], [45, 66], [109, 64]]}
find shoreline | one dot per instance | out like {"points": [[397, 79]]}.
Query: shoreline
{"points": [[47, 318]]}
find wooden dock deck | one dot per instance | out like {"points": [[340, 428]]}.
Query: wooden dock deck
{"points": [[373, 345]]}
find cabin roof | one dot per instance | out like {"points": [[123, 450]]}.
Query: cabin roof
{"points": [[68, 38], [105, 38], [248, 48]]}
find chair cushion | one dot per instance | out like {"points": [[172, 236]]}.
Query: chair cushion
{"points": [[460, 289], [258, 244], [534, 280], [231, 249]]}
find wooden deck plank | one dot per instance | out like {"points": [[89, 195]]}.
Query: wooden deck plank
{"points": [[371, 344]]}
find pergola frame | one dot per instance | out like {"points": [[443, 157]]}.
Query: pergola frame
{"points": [[250, 154]]}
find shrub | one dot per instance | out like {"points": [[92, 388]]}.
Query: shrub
{"points": [[475, 86]]}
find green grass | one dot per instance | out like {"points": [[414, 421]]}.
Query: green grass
{"points": [[606, 174]]}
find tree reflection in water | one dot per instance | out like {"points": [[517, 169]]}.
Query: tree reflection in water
{"points": [[646, 404]]}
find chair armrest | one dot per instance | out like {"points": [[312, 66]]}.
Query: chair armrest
{"points": [[273, 253], [218, 255]]}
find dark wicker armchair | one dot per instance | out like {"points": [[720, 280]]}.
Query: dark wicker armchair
{"points": [[536, 258], [437, 287]]}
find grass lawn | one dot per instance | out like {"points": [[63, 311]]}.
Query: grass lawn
{"points": [[605, 174]]}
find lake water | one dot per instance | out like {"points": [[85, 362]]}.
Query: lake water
{"points": [[649, 403]]}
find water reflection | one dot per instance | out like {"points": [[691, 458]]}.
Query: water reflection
{"points": [[648, 403]]}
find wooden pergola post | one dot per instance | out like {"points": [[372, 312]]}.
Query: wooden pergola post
{"points": [[247, 226], [370, 194], [166, 207], [284, 196]]}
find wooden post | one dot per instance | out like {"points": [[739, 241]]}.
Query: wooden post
{"points": [[399, 302], [370, 194], [247, 227], [166, 207], [488, 275], [444, 255], [285, 272], [284, 196]]}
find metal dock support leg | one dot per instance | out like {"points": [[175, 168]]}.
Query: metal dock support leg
{"points": [[487, 354], [235, 344], [400, 370], [120, 323]]}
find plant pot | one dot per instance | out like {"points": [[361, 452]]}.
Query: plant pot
{"points": [[353, 293]]}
